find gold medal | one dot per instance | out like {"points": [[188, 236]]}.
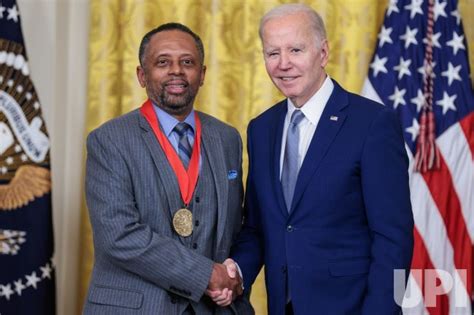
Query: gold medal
{"points": [[183, 222]]}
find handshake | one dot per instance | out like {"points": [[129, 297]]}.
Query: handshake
{"points": [[225, 283]]}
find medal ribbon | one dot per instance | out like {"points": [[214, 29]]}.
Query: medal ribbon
{"points": [[186, 179]]}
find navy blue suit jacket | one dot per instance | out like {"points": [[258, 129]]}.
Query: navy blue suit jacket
{"points": [[350, 224]]}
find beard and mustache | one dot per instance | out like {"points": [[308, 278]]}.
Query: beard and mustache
{"points": [[173, 104]]}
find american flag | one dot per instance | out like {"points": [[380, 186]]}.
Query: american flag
{"points": [[442, 198], [27, 283]]}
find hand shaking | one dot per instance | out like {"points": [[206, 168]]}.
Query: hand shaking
{"points": [[225, 283]]}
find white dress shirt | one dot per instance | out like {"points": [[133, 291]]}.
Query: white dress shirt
{"points": [[312, 110]]}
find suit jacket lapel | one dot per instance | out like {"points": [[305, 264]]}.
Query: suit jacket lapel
{"points": [[276, 134], [326, 131], [165, 172], [213, 148]]}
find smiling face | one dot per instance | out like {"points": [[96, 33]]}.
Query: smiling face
{"points": [[172, 72], [294, 57]]}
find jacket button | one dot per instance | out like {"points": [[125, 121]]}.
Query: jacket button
{"points": [[289, 228], [196, 223], [195, 245], [197, 199], [174, 300]]}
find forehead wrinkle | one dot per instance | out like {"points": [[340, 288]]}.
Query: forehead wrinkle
{"points": [[167, 54], [178, 41], [288, 28], [288, 46]]}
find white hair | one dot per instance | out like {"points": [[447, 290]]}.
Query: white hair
{"points": [[316, 22]]}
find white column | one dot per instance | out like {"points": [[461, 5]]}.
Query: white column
{"points": [[56, 39]]}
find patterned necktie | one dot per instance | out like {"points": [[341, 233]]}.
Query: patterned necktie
{"points": [[184, 148], [290, 160]]}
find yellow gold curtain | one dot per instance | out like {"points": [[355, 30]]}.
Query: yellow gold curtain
{"points": [[237, 87]]}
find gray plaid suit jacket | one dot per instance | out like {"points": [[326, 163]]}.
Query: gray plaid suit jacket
{"points": [[141, 265]]}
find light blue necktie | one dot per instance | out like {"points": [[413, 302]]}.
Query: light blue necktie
{"points": [[290, 160], [184, 148]]}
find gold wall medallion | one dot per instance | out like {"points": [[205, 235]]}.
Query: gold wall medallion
{"points": [[183, 222]]}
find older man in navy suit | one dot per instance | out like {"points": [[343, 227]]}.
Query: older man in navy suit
{"points": [[327, 201]]}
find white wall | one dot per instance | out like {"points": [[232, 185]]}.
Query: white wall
{"points": [[56, 38]]}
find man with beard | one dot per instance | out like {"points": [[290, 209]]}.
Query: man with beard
{"points": [[164, 192]]}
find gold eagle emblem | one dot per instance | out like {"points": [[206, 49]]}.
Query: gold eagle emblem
{"points": [[29, 182]]}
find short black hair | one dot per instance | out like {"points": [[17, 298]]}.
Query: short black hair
{"points": [[173, 26]]}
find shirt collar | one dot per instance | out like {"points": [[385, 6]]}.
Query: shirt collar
{"points": [[314, 107], [168, 122]]}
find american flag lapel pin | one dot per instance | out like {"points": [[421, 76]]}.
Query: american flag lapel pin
{"points": [[334, 118]]}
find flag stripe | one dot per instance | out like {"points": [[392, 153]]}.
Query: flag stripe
{"points": [[454, 148], [467, 125], [433, 250], [448, 204], [422, 261]]}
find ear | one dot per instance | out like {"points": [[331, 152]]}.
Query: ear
{"points": [[141, 76], [203, 74], [324, 51]]}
